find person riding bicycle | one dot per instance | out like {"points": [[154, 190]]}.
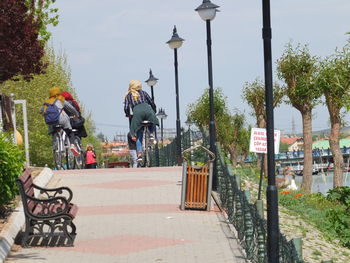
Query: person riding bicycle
{"points": [[143, 109], [81, 131], [58, 100]]}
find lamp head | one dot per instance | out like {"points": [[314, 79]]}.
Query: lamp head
{"points": [[151, 81], [207, 10], [161, 114], [175, 41]]}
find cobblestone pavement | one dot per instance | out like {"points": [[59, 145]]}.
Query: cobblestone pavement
{"points": [[133, 215]]}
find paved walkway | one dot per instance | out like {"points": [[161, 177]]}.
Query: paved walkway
{"points": [[133, 215]]}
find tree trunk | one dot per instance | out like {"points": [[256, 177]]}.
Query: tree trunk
{"points": [[233, 153], [335, 148], [307, 134]]}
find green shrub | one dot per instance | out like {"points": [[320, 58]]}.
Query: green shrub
{"points": [[339, 221], [11, 166], [341, 195]]}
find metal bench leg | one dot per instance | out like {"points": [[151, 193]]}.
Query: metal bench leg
{"points": [[69, 235], [26, 233]]}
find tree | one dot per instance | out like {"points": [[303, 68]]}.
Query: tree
{"points": [[20, 49], [229, 128], [299, 69], [254, 95], [43, 15], [334, 80]]}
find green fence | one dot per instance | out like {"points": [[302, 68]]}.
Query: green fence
{"points": [[247, 218]]}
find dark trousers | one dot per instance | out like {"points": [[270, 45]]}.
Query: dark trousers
{"points": [[91, 166]]}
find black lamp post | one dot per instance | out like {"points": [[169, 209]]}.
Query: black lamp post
{"points": [[174, 43], [162, 115], [271, 192], [207, 11], [152, 81]]}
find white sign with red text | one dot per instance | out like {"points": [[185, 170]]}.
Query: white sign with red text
{"points": [[258, 141]]}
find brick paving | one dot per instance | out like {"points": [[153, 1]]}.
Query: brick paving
{"points": [[133, 215]]}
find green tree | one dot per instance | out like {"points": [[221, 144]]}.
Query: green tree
{"points": [[284, 147], [298, 69], [44, 15], [229, 128], [334, 80], [254, 95]]}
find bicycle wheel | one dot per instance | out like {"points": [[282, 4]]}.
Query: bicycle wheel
{"points": [[145, 153], [78, 160], [69, 157], [57, 151]]}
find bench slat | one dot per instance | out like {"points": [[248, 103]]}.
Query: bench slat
{"points": [[26, 174]]}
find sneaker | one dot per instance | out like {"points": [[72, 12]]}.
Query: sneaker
{"points": [[139, 159], [74, 150]]}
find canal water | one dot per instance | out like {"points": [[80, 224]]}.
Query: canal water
{"points": [[323, 182]]}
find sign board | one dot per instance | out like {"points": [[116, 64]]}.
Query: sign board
{"points": [[258, 140]]}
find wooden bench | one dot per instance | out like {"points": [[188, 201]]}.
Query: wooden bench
{"points": [[49, 217], [124, 164]]}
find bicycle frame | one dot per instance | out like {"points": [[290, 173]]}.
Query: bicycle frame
{"points": [[63, 149]]}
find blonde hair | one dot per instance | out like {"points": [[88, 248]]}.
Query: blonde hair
{"points": [[134, 87]]}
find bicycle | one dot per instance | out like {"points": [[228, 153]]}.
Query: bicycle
{"points": [[63, 157], [78, 160], [146, 145]]}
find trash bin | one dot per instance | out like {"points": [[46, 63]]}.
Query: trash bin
{"points": [[196, 182]]}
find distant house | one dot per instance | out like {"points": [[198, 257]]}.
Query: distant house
{"points": [[294, 143]]}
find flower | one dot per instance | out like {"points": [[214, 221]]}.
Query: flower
{"points": [[298, 195], [285, 192]]}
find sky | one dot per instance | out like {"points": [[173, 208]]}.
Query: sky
{"points": [[110, 42]]}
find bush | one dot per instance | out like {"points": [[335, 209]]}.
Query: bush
{"points": [[11, 166]]}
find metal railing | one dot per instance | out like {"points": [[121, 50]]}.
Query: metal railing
{"points": [[246, 217]]}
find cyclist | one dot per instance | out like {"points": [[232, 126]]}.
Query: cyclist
{"points": [[143, 109], [81, 131], [64, 120]]}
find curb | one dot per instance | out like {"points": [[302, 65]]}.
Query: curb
{"points": [[16, 219], [216, 198]]}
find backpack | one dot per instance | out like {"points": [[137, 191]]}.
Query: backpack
{"points": [[52, 113]]}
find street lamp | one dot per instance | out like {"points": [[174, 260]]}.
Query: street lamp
{"points": [[207, 11], [162, 116], [152, 81], [271, 191], [174, 43]]}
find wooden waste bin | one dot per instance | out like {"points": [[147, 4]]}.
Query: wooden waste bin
{"points": [[196, 183]]}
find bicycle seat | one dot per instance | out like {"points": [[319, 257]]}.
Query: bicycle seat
{"points": [[57, 126], [145, 122]]}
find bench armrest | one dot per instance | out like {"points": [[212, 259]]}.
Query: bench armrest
{"points": [[51, 207], [64, 192]]}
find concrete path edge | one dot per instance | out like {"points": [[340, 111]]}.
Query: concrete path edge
{"points": [[16, 219]]}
